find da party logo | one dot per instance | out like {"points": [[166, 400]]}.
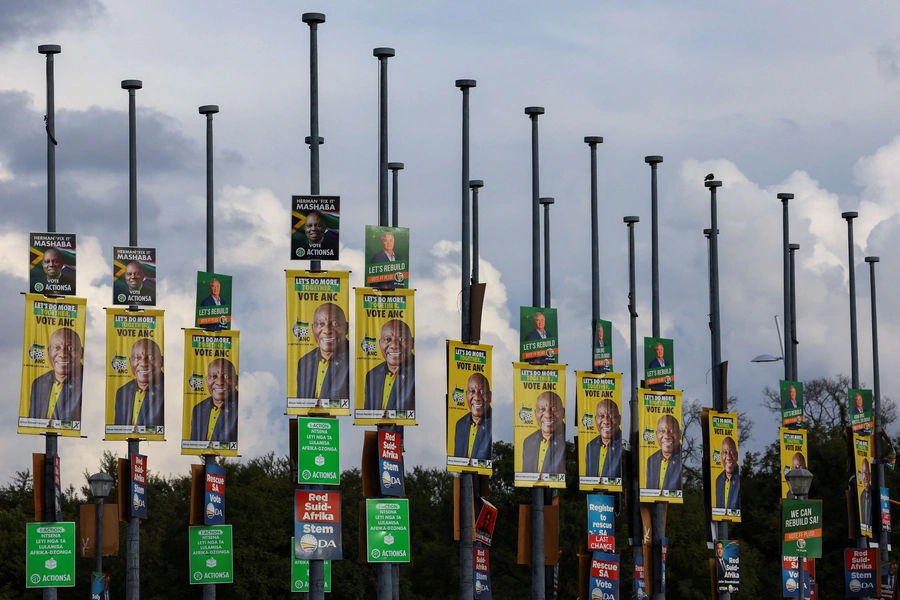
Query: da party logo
{"points": [[119, 363]]}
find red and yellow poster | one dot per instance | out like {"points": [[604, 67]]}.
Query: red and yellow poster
{"points": [[539, 430], [52, 365], [385, 390], [659, 455], [318, 346], [724, 466], [210, 416], [469, 415], [135, 374], [599, 403]]}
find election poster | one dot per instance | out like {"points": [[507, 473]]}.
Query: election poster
{"points": [[860, 410], [317, 525], [862, 454], [862, 573], [599, 404], [318, 344], [315, 227], [659, 358], [601, 518], [793, 455], [539, 430], [52, 352], [538, 341], [469, 421], [134, 276], [724, 466], [604, 575], [485, 523], [51, 264], [659, 446], [135, 375], [791, 403], [728, 566], [387, 257], [385, 365], [210, 415], [602, 346], [213, 304]]}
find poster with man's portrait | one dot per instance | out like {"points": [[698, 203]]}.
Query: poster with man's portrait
{"points": [[538, 335], [134, 276], [210, 413], [601, 344], [52, 365], [860, 411], [659, 361], [865, 492], [793, 447], [51, 264], [212, 306], [385, 363], [539, 429], [135, 375], [318, 343], [599, 403], [387, 257], [724, 466], [660, 459], [315, 227], [469, 416], [791, 403]]}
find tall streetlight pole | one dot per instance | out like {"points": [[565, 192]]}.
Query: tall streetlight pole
{"points": [[786, 267], [51, 439]]}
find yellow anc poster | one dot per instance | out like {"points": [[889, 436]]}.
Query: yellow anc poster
{"points": [[469, 418], [318, 345], [211, 368], [539, 397], [52, 365], [385, 390], [135, 374], [599, 404]]}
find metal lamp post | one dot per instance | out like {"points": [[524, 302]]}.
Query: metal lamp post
{"points": [[101, 484], [799, 482]]}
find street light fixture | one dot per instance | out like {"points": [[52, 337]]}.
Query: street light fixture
{"points": [[101, 484]]}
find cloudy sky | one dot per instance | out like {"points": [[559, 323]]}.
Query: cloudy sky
{"points": [[770, 96]]}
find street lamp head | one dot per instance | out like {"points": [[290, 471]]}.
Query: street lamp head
{"points": [[872, 259], [101, 484], [312, 17], [799, 480], [763, 358]]}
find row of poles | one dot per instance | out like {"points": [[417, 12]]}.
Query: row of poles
{"points": [[469, 192]]}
